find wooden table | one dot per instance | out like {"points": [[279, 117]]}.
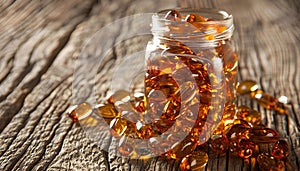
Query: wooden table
{"points": [[40, 41]]}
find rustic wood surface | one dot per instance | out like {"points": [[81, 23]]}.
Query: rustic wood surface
{"points": [[40, 40]]}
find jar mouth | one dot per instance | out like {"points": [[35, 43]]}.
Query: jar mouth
{"points": [[183, 31], [217, 16]]}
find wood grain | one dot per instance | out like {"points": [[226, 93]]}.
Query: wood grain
{"points": [[40, 41]]}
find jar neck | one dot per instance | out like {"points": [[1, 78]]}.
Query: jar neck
{"points": [[206, 34]]}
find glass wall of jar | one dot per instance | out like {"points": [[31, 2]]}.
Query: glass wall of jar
{"points": [[191, 73]]}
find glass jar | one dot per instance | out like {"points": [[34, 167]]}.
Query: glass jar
{"points": [[191, 73]]}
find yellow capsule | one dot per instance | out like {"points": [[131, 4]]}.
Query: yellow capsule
{"points": [[106, 111], [269, 102], [265, 100], [246, 87], [80, 111], [120, 95], [120, 126], [237, 131]]}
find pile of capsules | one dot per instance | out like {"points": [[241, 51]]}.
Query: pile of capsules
{"points": [[241, 136]]}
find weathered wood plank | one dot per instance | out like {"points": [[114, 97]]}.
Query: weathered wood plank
{"points": [[41, 40]]}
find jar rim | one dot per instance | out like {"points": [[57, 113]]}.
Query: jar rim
{"points": [[169, 29], [212, 13]]}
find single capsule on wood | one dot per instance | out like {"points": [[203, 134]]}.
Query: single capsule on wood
{"points": [[267, 101], [246, 87], [280, 149], [266, 162], [237, 131], [120, 96], [245, 148], [219, 143], [106, 111], [270, 102], [195, 162], [242, 111], [80, 111], [173, 15], [262, 135]]}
